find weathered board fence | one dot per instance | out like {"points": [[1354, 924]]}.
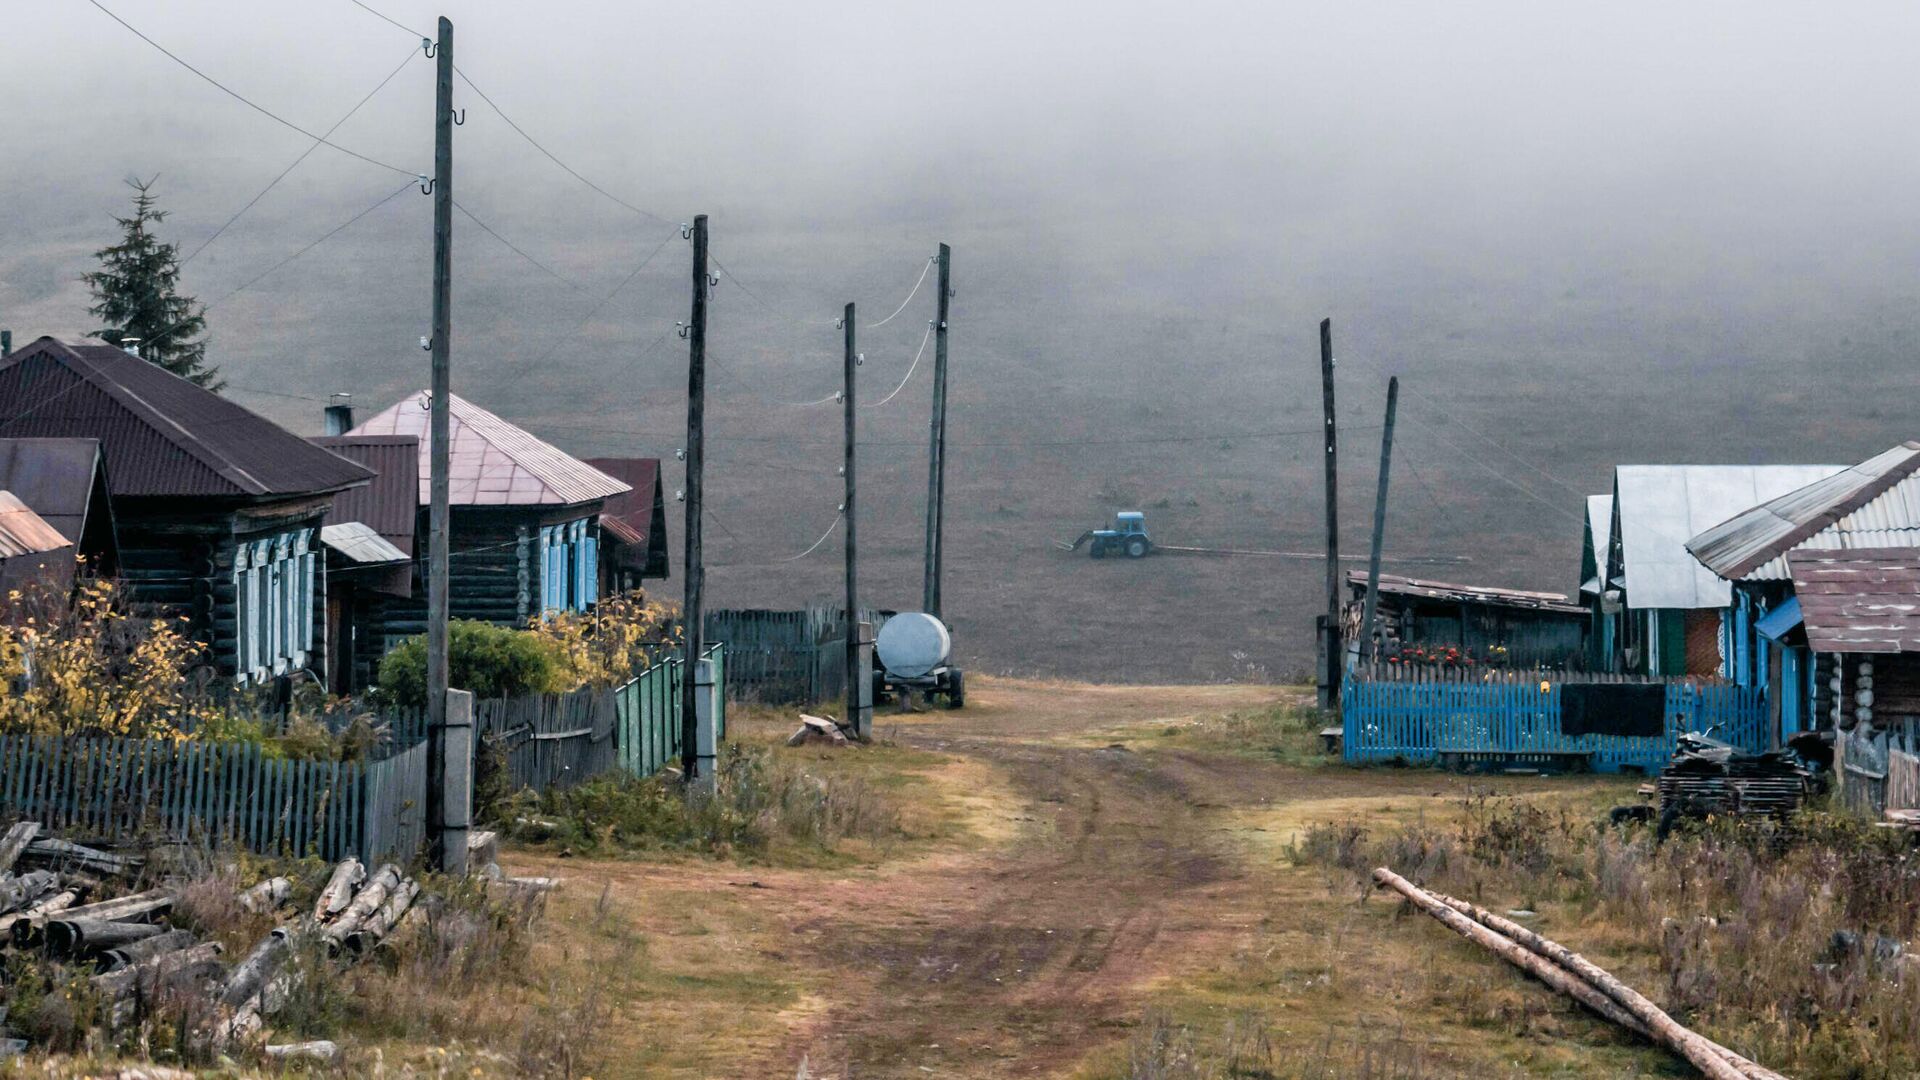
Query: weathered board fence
{"points": [[793, 657], [1878, 768], [1463, 721], [217, 793], [234, 794]]}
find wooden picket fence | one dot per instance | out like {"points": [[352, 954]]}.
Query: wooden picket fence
{"points": [[217, 793], [232, 794], [796, 657], [1427, 722]]}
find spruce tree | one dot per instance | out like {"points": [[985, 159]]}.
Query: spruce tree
{"points": [[135, 293]]}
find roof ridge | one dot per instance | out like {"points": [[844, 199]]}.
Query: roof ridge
{"points": [[1848, 502]]}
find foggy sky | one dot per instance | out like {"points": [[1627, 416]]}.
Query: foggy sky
{"points": [[1595, 233]]}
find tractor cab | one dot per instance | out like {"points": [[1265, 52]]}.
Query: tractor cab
{"points": [[1127, 537]]}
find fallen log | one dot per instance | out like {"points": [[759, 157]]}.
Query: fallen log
{"points": [[322, 1050], [380, 923], [248, 976], [267, 895], [46, 906], [146, 948], [1702, 1053], [26, 889], [1630, 999], [15, 842], [64, 853], [155, 972], [77, 937], [365, 903], [131, 906], [338, 892]]}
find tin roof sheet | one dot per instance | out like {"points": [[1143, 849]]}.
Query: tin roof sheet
{"points": [[1661, 507], [494, 462], [1599, 541], [628, 518], [162, 435], [1875, 504], [1865, 600], [358, 543], [23, 532]]}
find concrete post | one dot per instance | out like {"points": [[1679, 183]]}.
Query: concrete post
{"points": [[862, 719], [706, 734], [456, 813]]}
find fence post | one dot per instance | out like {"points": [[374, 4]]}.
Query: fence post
{"points": [[862, 718], [456, 811], [706, 736]]}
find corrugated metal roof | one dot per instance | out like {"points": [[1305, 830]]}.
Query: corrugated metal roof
{"points": [[628, 516], [162, 435], [1860, 601], [391, 503], [358, 543], [1875, 504], [1599, 541], [1394, 584], [23, 532], [54, 476], [1661, 507], [494, 463]]}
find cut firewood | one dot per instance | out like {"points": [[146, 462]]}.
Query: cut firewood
{"points": [[1705, 1055], [320, 1050], [146, 948], [64, 854], [39, 910], [483, 847], [338, 892], [15, 842], [248, 976], [817, 729], [267, 895], [365, 903], [163, 970], [24, 890], [381, 922], [79, 937]]}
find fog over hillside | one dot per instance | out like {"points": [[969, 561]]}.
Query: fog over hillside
{"points": [[1623, 233]]}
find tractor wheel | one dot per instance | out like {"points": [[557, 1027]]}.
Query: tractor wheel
{"points": [[1136, 548], [956, 689], [1098, 550]]}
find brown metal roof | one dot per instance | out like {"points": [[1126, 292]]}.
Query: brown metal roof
{"points": [[163, 436], [494, 462], [1395, 585], [1861, 601], [390, 505], [57, 477], [23, 532], [1865, 506], [636, 519]]}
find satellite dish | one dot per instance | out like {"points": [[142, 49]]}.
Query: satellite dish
{"points": [[912, 643]]}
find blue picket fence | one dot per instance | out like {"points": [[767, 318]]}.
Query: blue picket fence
{"points": [[1426, 722]]}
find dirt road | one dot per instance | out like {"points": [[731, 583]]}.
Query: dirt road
{"points": [[1106, 867]]}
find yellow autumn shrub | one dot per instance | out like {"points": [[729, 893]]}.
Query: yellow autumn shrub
{"points": [[622, 635], [86, 664]]}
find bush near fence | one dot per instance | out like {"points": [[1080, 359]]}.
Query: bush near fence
{"points": [[1516, 713], [235, 794]]}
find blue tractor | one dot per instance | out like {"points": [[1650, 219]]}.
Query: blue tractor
{"points": [[1127, 537]]}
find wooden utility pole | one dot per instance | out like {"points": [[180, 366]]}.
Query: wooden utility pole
{"points": [[1369, 645], [438, 455], [1330, 635], [851, 361], [694, 611], [937, 444]]}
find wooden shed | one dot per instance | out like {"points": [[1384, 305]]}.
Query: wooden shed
{"points": [[1508, 627], [633, 525], [525, 519], [217, 508]]}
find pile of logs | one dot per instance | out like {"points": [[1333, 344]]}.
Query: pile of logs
{"points": [[1578, 978]]}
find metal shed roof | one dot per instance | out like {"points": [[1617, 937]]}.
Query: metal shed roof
{"points": [[494, 462], [390, 505], [636, 519], [1875, 504], [1394, 584], [1861, 601], [162, 435], [357, 543], [1599, 541], [1660, 507], [56, 477], [23, 532]]}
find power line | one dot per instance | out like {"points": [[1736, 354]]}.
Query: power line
{"points": [[910, 368], [910, 295], [488, 229], [242, 99], [838, 517], [603, 302], [271, 184]]}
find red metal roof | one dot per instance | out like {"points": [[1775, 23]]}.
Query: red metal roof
{"points": [[23, 532], [390, 505], [628, 517], [1862, 601], [494, 462], [162, 435]]}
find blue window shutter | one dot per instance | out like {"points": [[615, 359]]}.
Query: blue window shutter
{"points": [[591, 571]]}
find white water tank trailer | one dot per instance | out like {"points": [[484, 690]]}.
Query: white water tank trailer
{"points": [[912, 651]]}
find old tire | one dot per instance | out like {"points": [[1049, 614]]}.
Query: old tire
{"points": [[1136, 548], [956, 689]]}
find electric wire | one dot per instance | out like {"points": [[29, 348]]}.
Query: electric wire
{"points": [[515, 248], [242, 99], [910, 368], [910, 295], [563, 339], [308, 152], [838, 517]]}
